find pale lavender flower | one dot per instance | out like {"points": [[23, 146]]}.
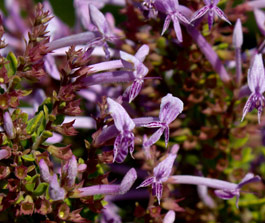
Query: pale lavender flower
{"points": [[256, 83], [125, 186], [100, 22], [124, 124], [135, 63], [55, 191], [44, 171], [169, 217], [146, 149], [170, 108], [109, 214], [224, 189], [260, 19], [205, 197], [8, 125], [161, 174], [171, 9], [70, 170], [212, 9], [237, 42], [4, 154]]}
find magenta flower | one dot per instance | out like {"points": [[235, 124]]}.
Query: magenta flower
{"points": [[161, 174], [170, 108], [124, 124], [135, 63], [171, 9], [212, 9], [256, 83]]}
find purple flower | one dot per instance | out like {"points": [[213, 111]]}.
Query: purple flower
{"points": [[170, 108], [256, 83], [212, 9], [150, 7], [8, 125], [99, 20], [171, 9], [161, 174], [126, 184], [44, 171], [225, 190], [55, 191], [124, 124], [69, 170], [228, 194], [135, 63]]}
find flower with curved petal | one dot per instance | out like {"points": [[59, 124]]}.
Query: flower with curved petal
{"points": [[212, 10], [256, 83], [124, 124]]}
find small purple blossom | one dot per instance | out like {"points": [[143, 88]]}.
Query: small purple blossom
{"points": [[124, 124], [256, 83], [170, 108], [70, 170], [44, 171], [8, 125], [99, 20], [171, 9], [161, 174], [55, 191], [135, 63], [212, 9], [224, 189], [228, 194], [126, 184]]}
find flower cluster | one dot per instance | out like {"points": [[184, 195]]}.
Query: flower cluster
{"points": [[80, 89]]}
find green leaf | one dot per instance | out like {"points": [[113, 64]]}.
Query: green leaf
{"points": [[41, 188], [12, 65], [28, 157], [35, 122], [238, 142]]}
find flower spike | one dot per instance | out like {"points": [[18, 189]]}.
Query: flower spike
{"points": [[161, 174], [170, 108], [212, 9], [125, 125], [256, 83]]}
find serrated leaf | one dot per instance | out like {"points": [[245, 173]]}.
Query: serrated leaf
{"points": [[28, 157], [35, 122], [41, 188]]}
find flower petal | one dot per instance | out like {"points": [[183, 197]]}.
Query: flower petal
{"points": [[238, 34], [170, 108], [142, 52], [121, 118], [199, 13], [249, 178], [128, 180], [166, 24], [154, 138], [146, 182], [221, 14], [256, 75], [98, 19]]}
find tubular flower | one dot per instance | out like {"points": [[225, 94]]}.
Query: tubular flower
{"points": [[55, 191], [171, 9], [256, 83], [170, 108], [99, 20], [161, 174], [225, 190], [212, 9], [125, 125], [135, 63]]}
